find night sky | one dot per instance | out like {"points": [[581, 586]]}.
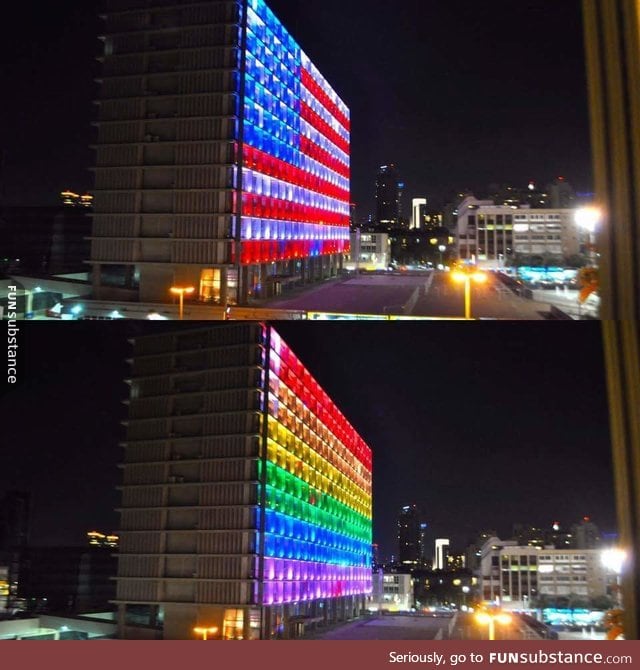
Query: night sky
{"points": [[483, 426], [458, 94]]}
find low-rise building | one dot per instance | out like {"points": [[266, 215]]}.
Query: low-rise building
{"points": [[369, 251], [392, 592], [494, 236], [526, 577]]}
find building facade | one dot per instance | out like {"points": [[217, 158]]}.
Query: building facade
{"points": [[45, 240], [527, 577], [15, 521], [392, 592], [418, 213], [369, 251], [441, 554], [223, 155], [68, 579], [246, 501], [493, 236]]}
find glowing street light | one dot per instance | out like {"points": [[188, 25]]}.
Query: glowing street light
{"points": [[490, 619], [588, 219], [465, 593], [442, 248], [463, 277], [613, 561], [176, 290], [204, 632]]}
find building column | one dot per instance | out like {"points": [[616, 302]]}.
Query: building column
{"points": [[243, 285], [95, 281], [264, 276], [121, 621], [224, 286]]}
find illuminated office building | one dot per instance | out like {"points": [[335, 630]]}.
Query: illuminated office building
{"points": [[418, 213], [442, 552], [222, 155], [246, 501], [490, 235]]}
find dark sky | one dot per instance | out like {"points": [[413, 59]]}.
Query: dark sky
{"points": [[483, 426], [458, 94]]}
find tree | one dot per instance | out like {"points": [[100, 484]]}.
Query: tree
{"points": [[614, 623], [589, 282]]}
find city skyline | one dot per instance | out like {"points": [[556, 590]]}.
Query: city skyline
{"points": [[506, 119], [405, 390]]}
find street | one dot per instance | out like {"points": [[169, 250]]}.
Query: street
{"points": [[431, 295], [460, 626], [394, 627]]}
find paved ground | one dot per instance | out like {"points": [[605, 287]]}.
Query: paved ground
{"points": [[373, 294], [567, 301], [427, 295], [396, 627], [417, 627]]}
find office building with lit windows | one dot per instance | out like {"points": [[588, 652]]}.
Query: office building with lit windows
{"points": [[523, 577], [494, 235], [246, 497], [222, 156], [369, 251]]}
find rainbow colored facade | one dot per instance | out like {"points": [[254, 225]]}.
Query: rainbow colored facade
{"points": [[317, 491]]}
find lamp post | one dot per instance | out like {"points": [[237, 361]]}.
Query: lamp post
{"points": [[181, 293], [588, 219], [613, 561], [204, 632], [466, 277], [489, 619], [442, 249], [465, 592]]}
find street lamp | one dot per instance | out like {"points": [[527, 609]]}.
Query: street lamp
{"points": [[204, 632], [442, 248], [613, 560], [489, 619], [588, 219], [465, 593], [181, 293], [466, 277]]}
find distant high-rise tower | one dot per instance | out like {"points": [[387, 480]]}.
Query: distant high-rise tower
{"points": [[409, 536], [418, 213], [561, 194], [586, 535], [388, 196], [246, 501], [441, 554], [222, 156]]}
